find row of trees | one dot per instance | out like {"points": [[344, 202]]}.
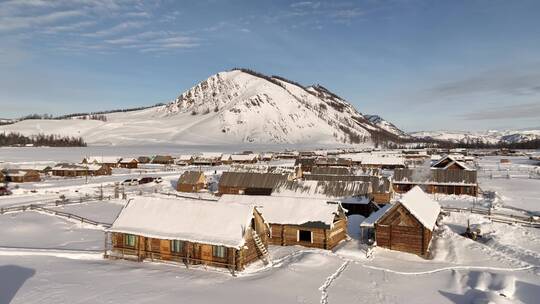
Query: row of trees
{"points": [[90, 116], [17, 139]]}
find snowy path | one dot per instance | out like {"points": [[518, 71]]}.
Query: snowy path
{"points": [[330, 280]]}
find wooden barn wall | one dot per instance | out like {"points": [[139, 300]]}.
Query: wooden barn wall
{"points": [[400, 230]]}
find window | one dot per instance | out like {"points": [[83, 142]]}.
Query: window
{"points": [[130, 240], [177, 246], [219, 251], [304, 236]]}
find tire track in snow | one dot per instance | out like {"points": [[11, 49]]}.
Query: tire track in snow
{"points": [[330, 280], [452, 268]]}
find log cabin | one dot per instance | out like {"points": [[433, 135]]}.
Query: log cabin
{"points": [[73, 170], [446, 176], [163, 160], [307, 222], [249, 183], [22, 176], [250, 158], [173, 230], [191, 181], [408, 225], [129, 163], [208, 159], [184, 160], [144, 159], [354, 196]]}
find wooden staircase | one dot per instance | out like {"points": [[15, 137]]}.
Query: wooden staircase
{"points": [[260, 246]]}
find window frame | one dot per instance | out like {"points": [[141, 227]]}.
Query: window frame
{"points": [[216, 250], [180, 246], [128, 238], [310, 236]]}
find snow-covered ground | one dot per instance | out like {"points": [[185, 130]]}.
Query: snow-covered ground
{"points": [[50, 259]]}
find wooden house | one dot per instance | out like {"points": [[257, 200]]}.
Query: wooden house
{"points": [[249, 183], [110, 161], [354, 196], [184, 160], [73, 170], [163, 160], [446, 176], [191, 181], [298, 221], [128, 163], [208, 159], [20, 176], [244, 158], [173, 230], [144, 159], [408, 225]]}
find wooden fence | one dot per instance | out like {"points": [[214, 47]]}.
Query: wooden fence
{"points": [[40, 207], [499, 217]]}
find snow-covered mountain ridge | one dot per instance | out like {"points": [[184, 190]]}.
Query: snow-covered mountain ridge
{"points": [[237, 106], [490, 136]]}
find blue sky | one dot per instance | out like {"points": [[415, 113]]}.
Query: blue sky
{"points": [[424, 65]]}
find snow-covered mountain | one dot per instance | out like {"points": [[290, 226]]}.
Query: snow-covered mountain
{"points": [[237, 106], [491, 136], [386, 125]]}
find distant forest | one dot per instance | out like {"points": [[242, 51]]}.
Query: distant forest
{"points": [[85, 116], [529, 145], [16, 139]]}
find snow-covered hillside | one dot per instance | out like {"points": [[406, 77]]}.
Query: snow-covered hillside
{"points": [[386, 125], [492, 136], [231, 107]]}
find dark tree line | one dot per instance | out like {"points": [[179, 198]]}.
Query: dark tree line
{"points": [[100, 115], [17, 139]]}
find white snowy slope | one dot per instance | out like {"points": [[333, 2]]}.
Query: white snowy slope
{"points": [[386, 125], [491, 136], [228, 108]]}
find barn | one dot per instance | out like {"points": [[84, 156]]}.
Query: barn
{"points": [[173, 230], [191, 181], [408, 225], [298, 221], [249, 183], [22, 176], [129, 163]]}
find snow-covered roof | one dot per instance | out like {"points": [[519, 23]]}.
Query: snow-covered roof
{"points": [[421, 206], [225, 157], [370, 221], [103, 159], [243, 157], [77, 167], [196, 221], [289, 210], [210, 155], [322, 189], [128, 160], [185, 157], [453, 160]]}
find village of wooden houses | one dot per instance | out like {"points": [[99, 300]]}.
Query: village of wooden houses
{"points": [[250, 214]]}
